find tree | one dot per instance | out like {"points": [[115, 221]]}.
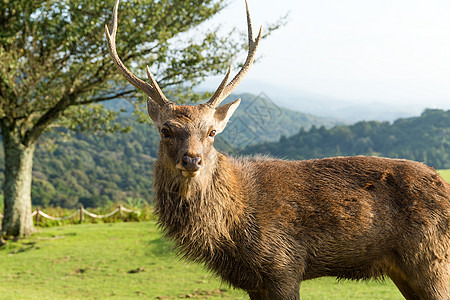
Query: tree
{"points": [[55, 69]]}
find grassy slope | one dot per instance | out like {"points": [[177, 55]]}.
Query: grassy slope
{"points": [[99, 261], [93, 261], [445, 174]]}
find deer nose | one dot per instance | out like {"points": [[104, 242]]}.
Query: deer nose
{"points": [[191, 163]]}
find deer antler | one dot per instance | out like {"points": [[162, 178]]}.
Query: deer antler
{"points": [[152, 90], [224, 91]]}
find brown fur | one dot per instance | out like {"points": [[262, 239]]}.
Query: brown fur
{"points": [[264, 224]]}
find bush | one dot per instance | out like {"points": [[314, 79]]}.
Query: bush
{"points": [[142, 213]]}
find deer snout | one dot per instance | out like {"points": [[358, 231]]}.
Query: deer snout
{"points": [[190, 165]]}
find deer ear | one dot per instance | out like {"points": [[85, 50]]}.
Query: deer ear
{"points": [[154, 110], [223, 114]]}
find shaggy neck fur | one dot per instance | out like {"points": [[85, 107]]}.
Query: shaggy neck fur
{"points": [[202, 213]]}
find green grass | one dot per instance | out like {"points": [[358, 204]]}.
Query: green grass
{"points": [[100, 261], [445, 174], [127, 261]]}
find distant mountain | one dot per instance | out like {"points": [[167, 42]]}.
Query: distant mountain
{"points": [[425, 138], [328, 106], [351, 112], [259, 119]]}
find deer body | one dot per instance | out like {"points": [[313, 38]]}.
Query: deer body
{"points": [[264, 224], [287, 221]]}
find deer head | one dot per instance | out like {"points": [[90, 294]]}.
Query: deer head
{"points": [[187, 132]]}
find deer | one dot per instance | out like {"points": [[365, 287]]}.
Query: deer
{"points": [[264, 224]]}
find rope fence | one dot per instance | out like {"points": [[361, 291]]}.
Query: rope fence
{"points": [[81, 212]]}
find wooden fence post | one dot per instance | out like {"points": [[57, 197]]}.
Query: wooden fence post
{"points": [[81, 213], [121, 212], [37, 216]]}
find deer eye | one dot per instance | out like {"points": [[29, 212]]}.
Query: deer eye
{"points": [[212, 133], [165, 133]]}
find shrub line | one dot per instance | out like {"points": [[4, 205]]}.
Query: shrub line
{"points": [[81, 212]]}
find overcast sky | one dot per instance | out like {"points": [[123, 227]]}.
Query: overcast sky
{"points": [[392, 51]]}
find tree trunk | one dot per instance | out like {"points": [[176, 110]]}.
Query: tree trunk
{"points": [[17, 220]]}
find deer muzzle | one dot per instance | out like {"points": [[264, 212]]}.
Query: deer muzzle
{"points": [[190, 165]]}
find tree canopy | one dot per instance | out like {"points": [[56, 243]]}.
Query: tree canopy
{"points": [[54, 57]]}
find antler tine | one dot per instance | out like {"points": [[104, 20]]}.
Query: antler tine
{"points": [[249, 23], [153, 90], [217, 97], [156, 87], [252, 46]]}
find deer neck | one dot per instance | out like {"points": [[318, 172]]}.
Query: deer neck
{"points": [[200, 213]]}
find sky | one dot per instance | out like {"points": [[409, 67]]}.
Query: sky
{"points": [[386, 51]]}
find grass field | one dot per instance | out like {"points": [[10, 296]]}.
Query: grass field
{"points": [[445, 174], [127, 261]]}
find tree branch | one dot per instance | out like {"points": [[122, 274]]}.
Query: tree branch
{"points": [[51, 115], [104, 98]]}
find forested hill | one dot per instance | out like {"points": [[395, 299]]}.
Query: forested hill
{"points": [[96, 170], [93, 170], [425, 138]]}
